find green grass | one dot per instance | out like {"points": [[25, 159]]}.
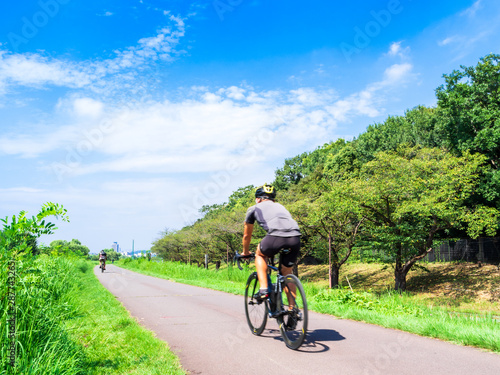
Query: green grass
{"points": [[42, 301], [227, 279], [68, 323], [408, 311], [405, 312]]}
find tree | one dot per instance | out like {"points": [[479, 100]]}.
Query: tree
{"points": [[469, 117], [72, 247], [328, 213], [412, 197], [225, 231], [303, 165], [416, 128], [112, 255]]}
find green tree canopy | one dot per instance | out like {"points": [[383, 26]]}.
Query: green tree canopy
{"points": [[72, 247], [412, 197], [469, 117]]}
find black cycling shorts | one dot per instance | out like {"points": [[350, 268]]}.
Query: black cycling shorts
{"points": [[271, 245]]}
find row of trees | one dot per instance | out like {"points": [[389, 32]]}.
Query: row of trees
{"points": [[392, 194], [62, 247]]}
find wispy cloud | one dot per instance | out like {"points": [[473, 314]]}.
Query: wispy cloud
{"points": [[448, 40], [470, 29], [472, 10], [37, 70], [397, 50]]}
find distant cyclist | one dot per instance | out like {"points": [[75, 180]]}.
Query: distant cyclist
{"points": [[282, 232], [102, 259]]}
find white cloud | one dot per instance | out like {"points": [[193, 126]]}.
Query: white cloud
{"points": [[470, 33], [199, 133], [397, 73], [471, 11], [233, 92], [37, 143], [447, 41], [368, 101], [394, 49], [36, 70], [88, 107], [311, 97]]}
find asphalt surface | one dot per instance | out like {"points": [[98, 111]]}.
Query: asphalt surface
{"points": [[208, 331]]}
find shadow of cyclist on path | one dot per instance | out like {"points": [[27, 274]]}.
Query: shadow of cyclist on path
{"points": [[315, 340]]}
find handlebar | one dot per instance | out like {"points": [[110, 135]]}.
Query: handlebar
{"points": [[238, 257]]}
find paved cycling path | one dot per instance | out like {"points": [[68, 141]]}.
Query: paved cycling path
{"points": [[208, 331]]}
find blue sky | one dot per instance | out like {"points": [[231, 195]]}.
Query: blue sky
{"points": [[135, 113]]}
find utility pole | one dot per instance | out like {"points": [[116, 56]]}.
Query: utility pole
{"points": [[132, 249]]}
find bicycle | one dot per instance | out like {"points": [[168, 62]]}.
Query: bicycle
{"points": [[286, 303], [102, 265]]}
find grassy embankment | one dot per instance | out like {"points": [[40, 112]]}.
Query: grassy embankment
{"points": [[68, 323], [454, 302]]}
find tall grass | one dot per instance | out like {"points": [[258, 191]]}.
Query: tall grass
{"points": [[43, 346], [68, 323], [388, 309]]}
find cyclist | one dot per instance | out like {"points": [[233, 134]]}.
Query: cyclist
{"points": [[282, 232], [102, 259]]}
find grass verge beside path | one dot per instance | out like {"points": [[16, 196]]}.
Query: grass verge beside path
{"points": [[406, 312], [113, 341], [67, 323]]}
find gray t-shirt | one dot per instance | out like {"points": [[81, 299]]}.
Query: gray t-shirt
{"points": [[273, 218]]}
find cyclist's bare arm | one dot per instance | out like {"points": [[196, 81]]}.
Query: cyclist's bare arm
{"points": [[247, 237]]}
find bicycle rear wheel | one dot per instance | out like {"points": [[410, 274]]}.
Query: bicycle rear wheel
{"points": [[255, 310], [293, 323]]}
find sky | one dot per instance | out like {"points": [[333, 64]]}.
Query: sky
{"points": [[133, 114]]}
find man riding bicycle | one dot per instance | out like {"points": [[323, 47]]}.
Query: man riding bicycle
{"points": [[102, 259], [282, 233]]}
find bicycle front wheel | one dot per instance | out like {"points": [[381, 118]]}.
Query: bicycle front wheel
{"points": [[255, 310], [293, 322]]}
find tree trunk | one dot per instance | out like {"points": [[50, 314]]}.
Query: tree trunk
{"points": [[400, 279], [330, 261], [333, 267], [217, 265], [334, 275], [401, 270]]}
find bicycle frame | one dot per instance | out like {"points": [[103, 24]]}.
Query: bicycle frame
{"points": [[292, 321]]}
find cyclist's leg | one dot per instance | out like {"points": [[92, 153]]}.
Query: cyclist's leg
{"points": [[268, 248], [261, 267], [290, 289], [289, 261]]}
